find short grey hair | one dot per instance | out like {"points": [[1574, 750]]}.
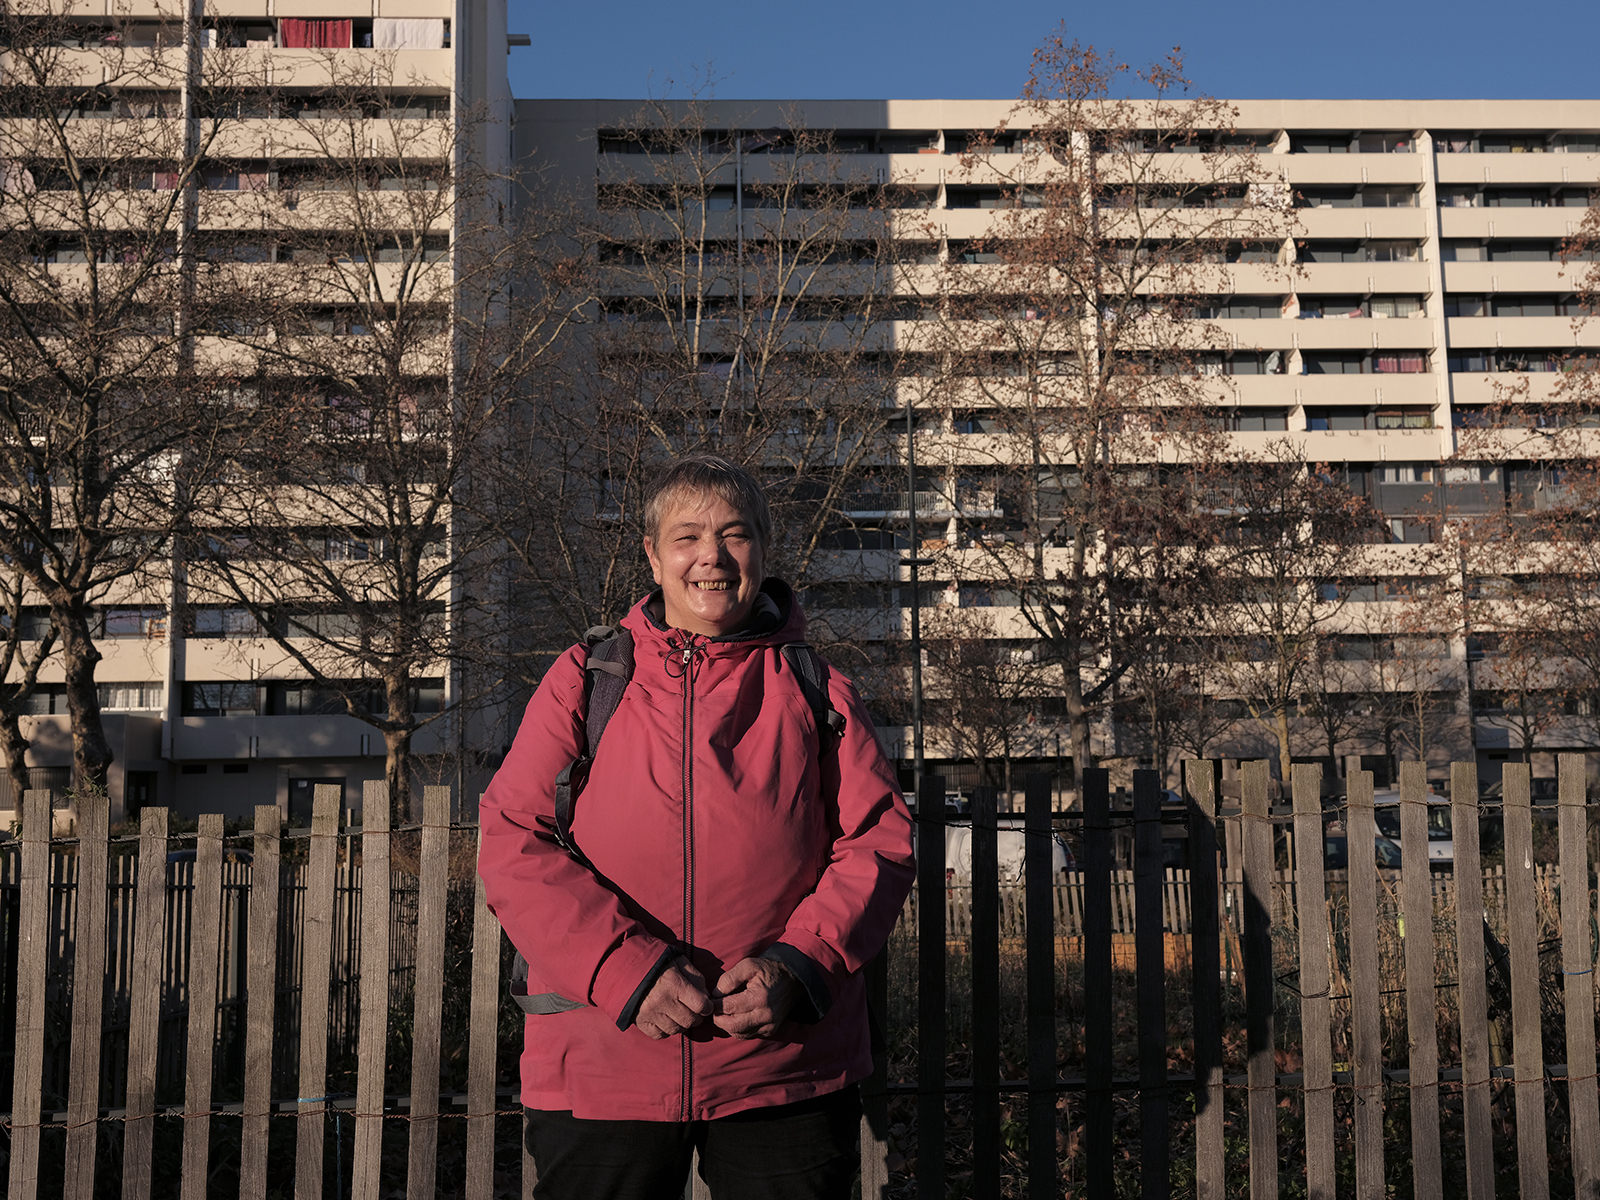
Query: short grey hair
{"points": [[698, 475]]}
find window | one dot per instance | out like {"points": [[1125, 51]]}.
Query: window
{"points": [[1333, 308], [1325, 420], [32, 624], [1237, 308], [1393, 251], [219, 699], [134, 623], [1516, 197], [1321, 143], [236, 768], [1399, 362], [1506, 251], [1529, 306], [1393, 197], [1405, 418], [1459, 197], [1461, 304], [1519, 143], [1327, 197], [1330, 251], [1333, 362], [131, 697], [1384, 143], [1248, 420], [219, 622], [1396, 306]]}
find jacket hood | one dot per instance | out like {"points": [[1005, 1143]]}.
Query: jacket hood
{"points": [[776, 618]]}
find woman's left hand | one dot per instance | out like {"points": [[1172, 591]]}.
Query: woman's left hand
{"points": [[753, 998]]}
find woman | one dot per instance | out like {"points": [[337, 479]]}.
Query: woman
{"points": [[738, 868]]}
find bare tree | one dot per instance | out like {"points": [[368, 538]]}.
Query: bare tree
{"points": [[1069, 346], [104, 384], [395, 325], [985, 691], [742, 275], [1291, 536]]}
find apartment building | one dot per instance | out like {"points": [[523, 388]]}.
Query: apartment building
{"points": [[203, 711], [1419, 277]]}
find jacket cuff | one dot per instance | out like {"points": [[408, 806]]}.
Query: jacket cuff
{"points": [[630, 1010], [817, 999], [627, 975]]}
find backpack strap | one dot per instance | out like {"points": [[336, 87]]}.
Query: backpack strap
{"points": [[812, 673], [607, 670]]}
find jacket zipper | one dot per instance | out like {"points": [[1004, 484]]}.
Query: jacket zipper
{"points": [[688, 854]]}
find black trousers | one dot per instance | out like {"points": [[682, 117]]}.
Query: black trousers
{"points": [[802, 1151]]}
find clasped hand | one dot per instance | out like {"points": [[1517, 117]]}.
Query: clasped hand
{"points": [[751, 1000]]}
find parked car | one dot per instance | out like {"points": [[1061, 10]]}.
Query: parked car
{"points": [[1441, 842], [1336, 850]]}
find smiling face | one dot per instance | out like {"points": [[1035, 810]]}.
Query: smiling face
{"points": [[708, 560]]}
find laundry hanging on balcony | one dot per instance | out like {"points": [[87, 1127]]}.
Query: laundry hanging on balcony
{"points": [[407, 33]]}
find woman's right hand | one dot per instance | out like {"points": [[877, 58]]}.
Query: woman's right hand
{"points": [[679, 1001]]}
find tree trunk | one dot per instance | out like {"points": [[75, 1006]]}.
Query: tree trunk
{"points": [[397, 774], [397, 746], [91, 753], [1077, 724], [15, 748], [1285, 758]]}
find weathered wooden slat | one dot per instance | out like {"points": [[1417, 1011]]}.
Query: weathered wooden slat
{"points": [[875, 1090], [1522, 926], [1200, 782], [1577, 965], [1097, 1007], [366, 1155], [316, 960], [481, 1046], [1422, 1031], [1150, 986], [985, 996], [260, 1002], [930, 988], [88, 997], [144, 1003], [1042, 1123], [1366, 1008], [1261, 1067], [1316, 1005], [432, 880], [205, 944], [33, 950]]}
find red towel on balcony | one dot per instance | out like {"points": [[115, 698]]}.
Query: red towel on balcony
{"points": [[314, 33]]}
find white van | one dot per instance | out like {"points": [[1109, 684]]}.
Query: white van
{"points": [[1012, 847]]}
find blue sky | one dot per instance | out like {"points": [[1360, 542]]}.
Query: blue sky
{"points": [[872, 49]]}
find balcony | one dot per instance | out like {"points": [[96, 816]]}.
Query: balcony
{"points": [[1478, 277], [1532, 332], [1343, 278], [1518, 168], [1388, 223], [1551, 223], [330, 736]]}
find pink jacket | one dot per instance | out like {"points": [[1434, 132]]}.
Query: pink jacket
{"points": [[712, 825]]}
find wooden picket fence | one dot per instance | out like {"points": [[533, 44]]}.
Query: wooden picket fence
{"points": [[249, 943]]}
